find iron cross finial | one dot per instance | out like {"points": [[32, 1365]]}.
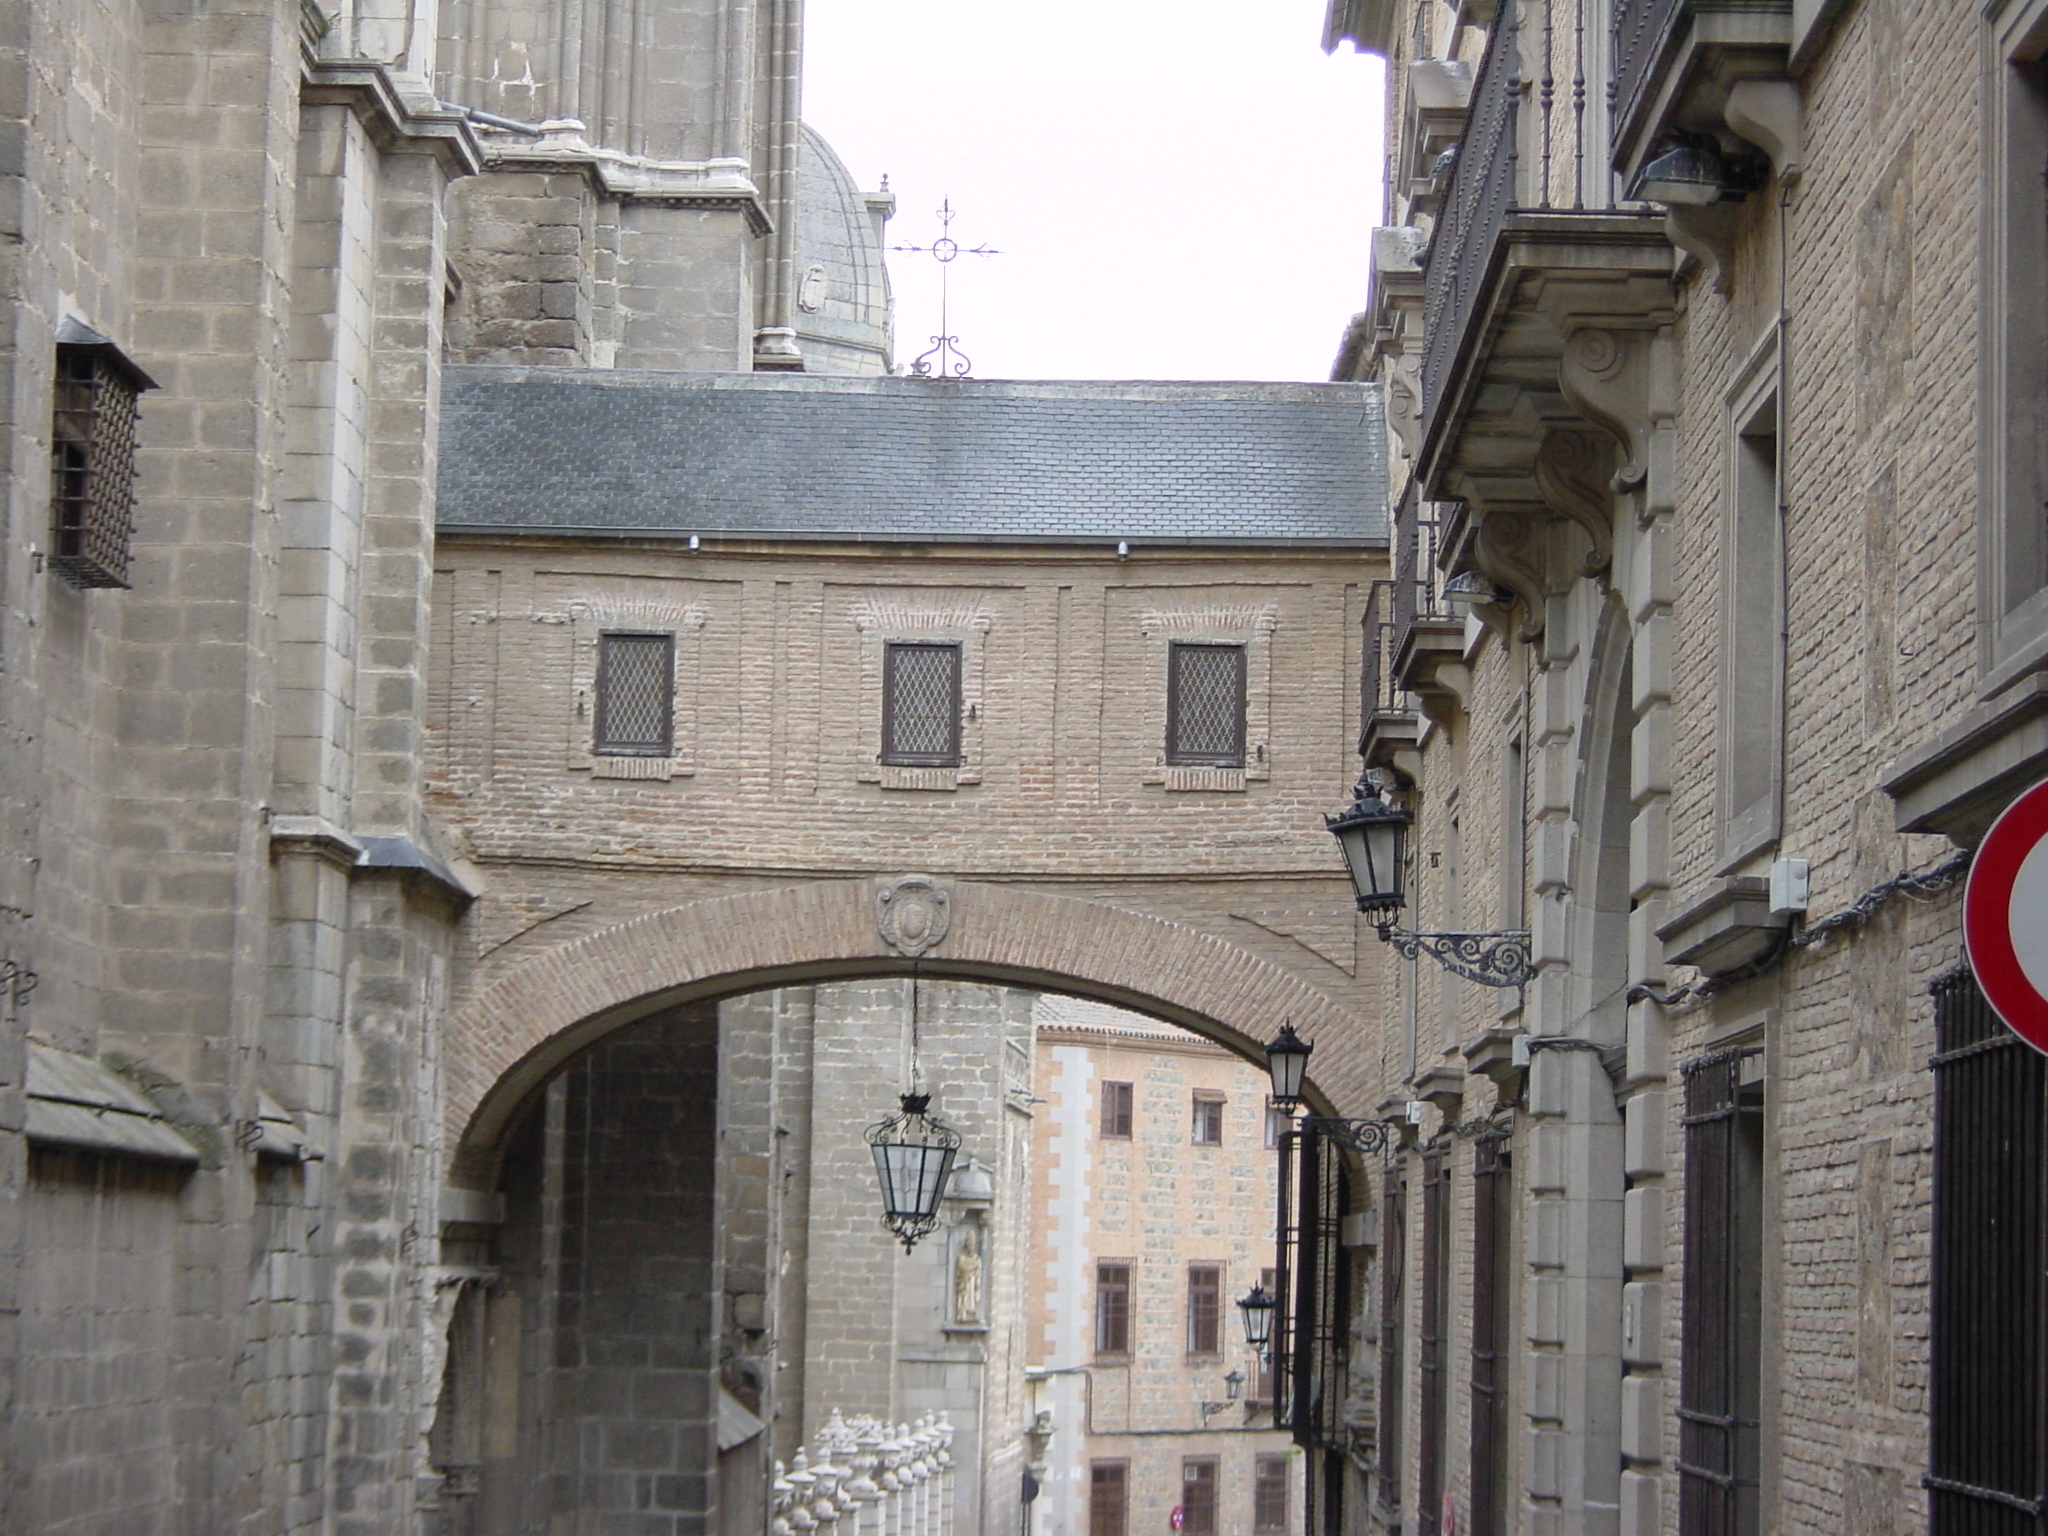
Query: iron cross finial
{"points": [[944, 359]]}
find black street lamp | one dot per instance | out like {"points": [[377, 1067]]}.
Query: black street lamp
{"points": [[1372, 835], [914, 1154], [1287, 1064], [1257, 1308]]}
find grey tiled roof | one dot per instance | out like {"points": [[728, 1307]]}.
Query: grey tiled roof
{"points": [[895, 458]]}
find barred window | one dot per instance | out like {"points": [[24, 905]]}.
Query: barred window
{"points": [[1205, 706], [1205, 1309], [921, 705], [1116, 1111], [1720, 1388], [92, 458], [1198, 1496], [1208, 1129], [1987, 1471], [1269, 1493], [1112, 1309], [1108, 1498], [636, 693]]}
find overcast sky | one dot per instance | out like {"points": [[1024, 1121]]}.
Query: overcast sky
{"points": [[1180, 191]]}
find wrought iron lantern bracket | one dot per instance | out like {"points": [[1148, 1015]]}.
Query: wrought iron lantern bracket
{"points": [[1491, 959], [1368, 1138]]}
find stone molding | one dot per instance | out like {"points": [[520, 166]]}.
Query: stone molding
{"points": [[724, 183]]}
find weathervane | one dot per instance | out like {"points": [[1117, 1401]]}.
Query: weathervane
{"points": [[944, 359]]}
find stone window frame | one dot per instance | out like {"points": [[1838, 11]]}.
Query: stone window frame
{"points": [[883, 622], [2013, 630], [589, 621], [1751, 604], [1198, 1121], [1250, 625]]}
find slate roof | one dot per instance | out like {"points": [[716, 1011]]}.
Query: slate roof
{"points": [[803, 456]]}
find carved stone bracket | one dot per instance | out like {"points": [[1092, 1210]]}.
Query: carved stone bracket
{"points": [[1575, 473]]}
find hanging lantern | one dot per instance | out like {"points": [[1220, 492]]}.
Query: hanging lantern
{"points": [[1370, 831], [914, 1155]]}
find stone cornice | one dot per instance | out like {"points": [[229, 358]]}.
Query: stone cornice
{"points": [[708, 184], [393, 122]]}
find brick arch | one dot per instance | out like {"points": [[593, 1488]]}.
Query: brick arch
{"points": [[511, 1035]]}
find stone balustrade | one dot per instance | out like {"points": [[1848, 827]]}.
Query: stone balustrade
{"points": [[862, 1477]]}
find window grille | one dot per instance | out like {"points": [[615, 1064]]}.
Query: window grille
{"points": [[1311, 1327], [1205, 1309], [1988, 1465], [1116, 1111], [1208, 1128], [97, 403], [1205, 706], [1198, 1496], [1393, 1260], [921, 705], [1112, 1309], [1719, 1390], [1429, 1456], [1492, 1289], [1269, 1493], [1108, 1498], [636, 689]]}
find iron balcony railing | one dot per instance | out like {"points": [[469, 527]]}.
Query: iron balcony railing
{"points": [[1393, 606], [1641, 29], [1476, 204]]}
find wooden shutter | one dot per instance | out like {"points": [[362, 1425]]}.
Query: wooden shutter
{"points": [[1108, 1498], [1492, 1294], [1269, 1494], [1429, 1459], [1116, 1111], [1393, 1260]]}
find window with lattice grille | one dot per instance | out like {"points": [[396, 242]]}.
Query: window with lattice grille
{"points": [[1205, 1309], [92, 458], [1269, 1494], [1198, 1496], [636, 696], [1108, 1498], [1205, 706], [921, 705]]}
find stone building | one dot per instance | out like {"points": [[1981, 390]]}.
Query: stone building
{"points": [[1152, 1213], [323, 916], [1710, 651]]}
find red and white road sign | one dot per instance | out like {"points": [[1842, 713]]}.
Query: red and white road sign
{"points": [[2005, 916]]}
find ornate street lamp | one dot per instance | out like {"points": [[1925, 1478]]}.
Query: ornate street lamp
{"points": [[1256, 1308], [914, 1154], [1287, 1064], [1233, 1384], [1372, 834]]}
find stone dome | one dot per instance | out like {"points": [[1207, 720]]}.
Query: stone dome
{"points": [[843, 319]]}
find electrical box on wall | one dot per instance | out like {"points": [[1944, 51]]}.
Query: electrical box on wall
{"points": [[1790, 884]]}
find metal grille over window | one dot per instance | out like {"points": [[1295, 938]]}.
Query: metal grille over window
{"points": [[1205, 706], [1198, 1497], [921, 705], [635, 696], [1108, 1486], [1311, 1329], [92, 458], [1719, 1390], [1988, 1467], [1269, 1494]]}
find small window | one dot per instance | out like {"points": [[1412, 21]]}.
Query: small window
{"points": [[1208, 1130], [92, 458], [636, 691], [1112, 1309], [921, 705], [1269, 1493], [1108, 1498], [1205, 1309], [1198, 1496], [1205, 706], [1116, 1111]]}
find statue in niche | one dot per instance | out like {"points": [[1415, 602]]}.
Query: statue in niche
{"points": [[967, 1276]]}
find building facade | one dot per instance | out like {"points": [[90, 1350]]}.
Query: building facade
{"points": [[1707, 660], [1152, 1214]]}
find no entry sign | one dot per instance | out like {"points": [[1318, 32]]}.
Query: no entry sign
{"points": [[2005, 916]]}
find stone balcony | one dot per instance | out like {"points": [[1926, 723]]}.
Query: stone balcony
{"points": [[1538, 378], [1699, 70]]}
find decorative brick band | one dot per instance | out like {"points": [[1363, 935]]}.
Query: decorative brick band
{"points": [[505, 1040]]}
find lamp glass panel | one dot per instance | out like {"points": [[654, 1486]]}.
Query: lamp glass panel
{"points": [[913, 1176], [1287, 1069]]}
